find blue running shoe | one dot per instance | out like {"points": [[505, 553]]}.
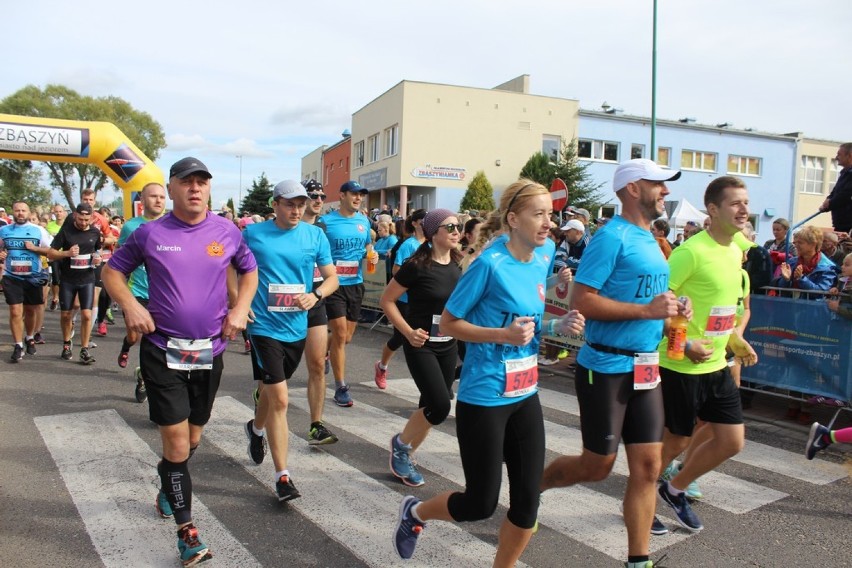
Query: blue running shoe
{"points": [[684, 513], [658, 528], [164, 508], [670, 471], [342, 396], [401, 465], [192, 550], [816, 440], [693, 491], [408, 528]]}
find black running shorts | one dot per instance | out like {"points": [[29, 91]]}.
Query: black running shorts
{"points": [[274, 361], [345, 302], [712, 397]]}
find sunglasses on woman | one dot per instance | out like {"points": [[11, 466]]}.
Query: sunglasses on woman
{"points": [[452, 227]]}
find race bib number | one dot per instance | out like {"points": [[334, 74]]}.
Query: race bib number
{"points": [[435, 332], [282, 297], [189, 354], [646, 371], [81, 261], [106, 254], [317, 274], [347, 267], [21, 267], [721, 321], [521, 376]]}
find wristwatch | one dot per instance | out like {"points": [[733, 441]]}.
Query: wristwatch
{"points": [[318, 294]]}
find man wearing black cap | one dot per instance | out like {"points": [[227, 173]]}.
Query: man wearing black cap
{"points": [[186, 327], [75, 246], [348, 232]]}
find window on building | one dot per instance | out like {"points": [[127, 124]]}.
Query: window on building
{"points": [[833, 172], [597, 150], [359, 154], [744, 165], [664, 157], [551, 146], [391, 140], [813, 169], [695, 160], [637, 151], [373, 148]]}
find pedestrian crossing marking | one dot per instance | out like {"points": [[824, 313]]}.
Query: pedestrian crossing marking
{"points": [[111, 474], [361, 516], [582, 514]]}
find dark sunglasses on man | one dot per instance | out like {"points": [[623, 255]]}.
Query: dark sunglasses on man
{"points": [[317, 196]]}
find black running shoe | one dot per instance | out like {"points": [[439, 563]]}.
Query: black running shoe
{"points": [[85, 358], [17, 354], [31, 348], [285, 489], [257, 444], [38, 339], [140, 392], [320, 435]]}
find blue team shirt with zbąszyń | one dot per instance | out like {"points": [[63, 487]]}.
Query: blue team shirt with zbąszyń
{"points": [[284, 257], [494, 290], [403, 253], [20, 262], [348, 238], [624, 263]]}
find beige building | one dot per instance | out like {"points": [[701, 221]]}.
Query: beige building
{"points": [[816, 173], [420, 144]]}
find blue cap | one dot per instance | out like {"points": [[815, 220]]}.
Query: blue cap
{"points": [[354, 187]]}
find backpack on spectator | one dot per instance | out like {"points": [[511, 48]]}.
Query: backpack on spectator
{"points": [[759, 266]]}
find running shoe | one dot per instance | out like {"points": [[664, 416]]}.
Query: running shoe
{"points": [[93, 345], [164, 508], [381, 376], [320, 435], [647, 563], [285, 489], [110, 319], [140, 391], [342, 396], [402, 466], [38, 338], [658, 528], [192, 550], [122, 359], [257, 444], [17, 354], [679, 504], [102, 330], [693, 491], [66, 352], [545, 362], [53, 305], [563, 353], [247, 348], [669, 472], [408, 528], [85, 358], [817, 440], [31, 348]]}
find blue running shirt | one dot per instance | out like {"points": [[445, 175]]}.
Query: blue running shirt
{"points": [[20, 262], [285, 266], [625, 264], [403, 253], [348, 237], [494, 290]]}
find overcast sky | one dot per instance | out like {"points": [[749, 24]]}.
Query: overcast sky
{"points": [[273, 80]]}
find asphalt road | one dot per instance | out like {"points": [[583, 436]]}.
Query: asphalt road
{"points": [[77, 480]]}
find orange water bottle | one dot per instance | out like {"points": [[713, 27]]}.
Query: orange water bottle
{"points": [[676, 349], [372, 259]]}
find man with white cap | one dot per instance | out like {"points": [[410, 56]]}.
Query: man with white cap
{"points": [[286, 251], [571, 249], [621, 287]]}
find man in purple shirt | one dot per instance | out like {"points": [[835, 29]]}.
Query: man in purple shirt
{"points": [[186, 326]]}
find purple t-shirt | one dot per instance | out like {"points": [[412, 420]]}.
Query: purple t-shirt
{"points": [[186, 265]]}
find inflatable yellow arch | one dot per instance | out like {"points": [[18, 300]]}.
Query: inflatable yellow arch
{"points": [[100, 144]]}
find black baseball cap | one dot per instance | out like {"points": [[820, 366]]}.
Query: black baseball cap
{"points": [[188, 166], [84, 209]]}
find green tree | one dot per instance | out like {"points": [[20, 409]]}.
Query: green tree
{"points": [[57, 101], [479, 195], [583, 191], [19, 181], [230, 204], [256, 201]]}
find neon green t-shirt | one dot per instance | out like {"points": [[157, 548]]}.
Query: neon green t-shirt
{"points": [[711, 276]]}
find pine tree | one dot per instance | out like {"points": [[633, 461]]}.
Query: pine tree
{"points": [[479, 195], [583, 191], [256, 201]]}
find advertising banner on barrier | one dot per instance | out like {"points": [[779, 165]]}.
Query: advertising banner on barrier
{"points": [[801, 345]]}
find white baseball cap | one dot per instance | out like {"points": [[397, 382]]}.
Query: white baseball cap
{"points": [[573, 224], [288, 189], [641, 168]]}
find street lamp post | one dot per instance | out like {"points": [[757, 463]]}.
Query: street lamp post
{"points": [[240, 189]]}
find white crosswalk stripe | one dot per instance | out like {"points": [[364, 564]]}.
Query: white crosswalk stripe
{"points": [[110, 474]]}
